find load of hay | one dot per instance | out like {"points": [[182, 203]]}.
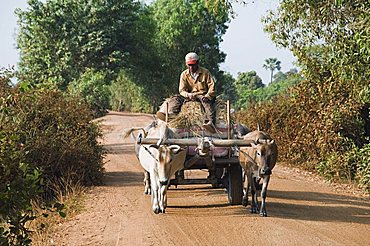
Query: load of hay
{"points": [[192, 115]]}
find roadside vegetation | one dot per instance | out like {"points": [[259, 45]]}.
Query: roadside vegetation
{"points": [[323, 122], [46, 139], [82, 58]]}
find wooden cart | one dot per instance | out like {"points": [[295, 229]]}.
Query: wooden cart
{"points": [[218, 153]]}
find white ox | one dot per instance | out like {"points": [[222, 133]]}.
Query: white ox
{"points": [[160, 161], [258, 162]]}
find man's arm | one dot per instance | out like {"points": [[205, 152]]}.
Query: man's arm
{"points": [[211, 86], [182, 86]]}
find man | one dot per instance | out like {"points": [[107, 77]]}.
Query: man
{"points": [[197, 84]]}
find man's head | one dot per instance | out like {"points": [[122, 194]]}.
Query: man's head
{"points": [[191, 60]]}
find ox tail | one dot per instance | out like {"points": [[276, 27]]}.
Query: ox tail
{"points": [[163, 133], [127, 132]]}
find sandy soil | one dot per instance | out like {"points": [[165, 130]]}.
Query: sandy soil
{"points": [[302, 209]]}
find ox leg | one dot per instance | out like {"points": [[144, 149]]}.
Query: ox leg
{"points": [[146, 183], [155, 194], [163, 198], [246, 186], [254, 205], [266, 180]]}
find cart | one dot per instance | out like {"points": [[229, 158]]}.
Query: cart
{"points": [[218, 153]]}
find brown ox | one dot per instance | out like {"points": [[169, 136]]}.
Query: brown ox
{"points": [[258, 162]]}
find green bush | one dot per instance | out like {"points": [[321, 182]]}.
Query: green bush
{"points": [[363, 167], [45, 138], [59, 137], [127, 95], [320, 126], [93, 88], [19, 185], [352, 165], [248, 96]]}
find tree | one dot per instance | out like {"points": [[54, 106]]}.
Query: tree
{"points": [[249, 80], [279, 76], [228, 88], [184, 26], [246, 84], [272, 64], [325, 36], [59, 40], [93, 88], [330, 107]]}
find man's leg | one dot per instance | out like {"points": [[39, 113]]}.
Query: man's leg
{"points": [[210, 116], [209, 110], [174, 106]]}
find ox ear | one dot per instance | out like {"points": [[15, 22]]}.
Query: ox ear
{"points": [[175, 148]]}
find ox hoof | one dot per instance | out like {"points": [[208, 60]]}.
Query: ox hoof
{"points": [[263, 214], [245, 202], [156, 211], [253, 210], [163, 211]]}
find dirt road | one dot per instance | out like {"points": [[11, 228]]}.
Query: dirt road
{"points": [[302, 209]]}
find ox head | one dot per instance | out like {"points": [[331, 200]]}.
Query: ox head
{"points": [[204, 147], [168, 158], [265, 155]]}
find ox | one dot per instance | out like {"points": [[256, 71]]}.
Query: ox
{"points": [[160, 162], [258, 162]]}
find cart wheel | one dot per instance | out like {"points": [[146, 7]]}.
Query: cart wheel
{"points": [[235, 186]]}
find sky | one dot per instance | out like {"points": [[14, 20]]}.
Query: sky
{"points": [[245, 44]]}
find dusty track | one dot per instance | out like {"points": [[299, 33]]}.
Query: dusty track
{"points": [[302, 209]]}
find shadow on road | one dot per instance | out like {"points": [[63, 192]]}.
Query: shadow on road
{"points": [[119, 148], [315, 206], [123, 179]]}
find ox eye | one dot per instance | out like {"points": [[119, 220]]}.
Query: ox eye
{"points": [[258, 153]]}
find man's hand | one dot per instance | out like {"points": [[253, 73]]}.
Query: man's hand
{"points": [[191, 96], [205, 99]]}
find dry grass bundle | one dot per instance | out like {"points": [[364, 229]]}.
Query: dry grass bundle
{"points": [[192, 114], [221, 112]]}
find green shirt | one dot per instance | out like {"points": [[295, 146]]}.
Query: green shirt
{"points": [[203, 84]]}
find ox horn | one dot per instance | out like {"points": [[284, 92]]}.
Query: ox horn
{"points": [[154, 146], [175, 148]]}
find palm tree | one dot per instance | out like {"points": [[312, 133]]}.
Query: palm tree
{"points": [[272, 64]]}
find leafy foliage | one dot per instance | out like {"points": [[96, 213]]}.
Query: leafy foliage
{"points": [[249, 81], [259, 94], [45, 137], [59, 136], [184, 26], [93, 88], [59, 40], [327, 37], [126, 95], [324, 123], [228, 89]]}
